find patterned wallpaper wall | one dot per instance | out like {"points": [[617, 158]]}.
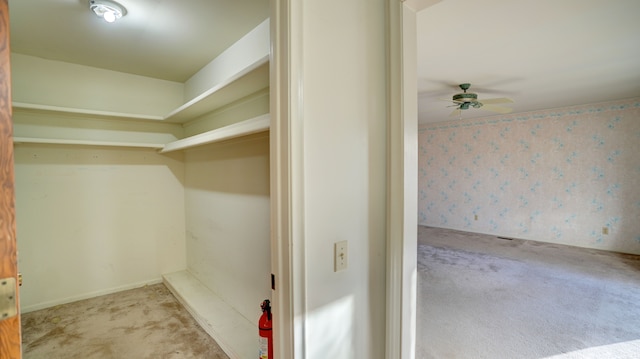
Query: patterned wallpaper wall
{"points": [[555, 176]]}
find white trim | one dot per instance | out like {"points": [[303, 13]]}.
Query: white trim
{"points": [[98, 293], [287, 217], [402, 190]]}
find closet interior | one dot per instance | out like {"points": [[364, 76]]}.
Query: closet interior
{"points": [[124, 181]]}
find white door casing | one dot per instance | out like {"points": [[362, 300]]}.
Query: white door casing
{"points": [[287, 185]]}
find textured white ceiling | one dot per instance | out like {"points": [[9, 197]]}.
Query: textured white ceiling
{"points": [[542, 54], [165, 39]]}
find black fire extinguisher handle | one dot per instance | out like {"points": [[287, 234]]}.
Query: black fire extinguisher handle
{"points": [[266, 306]]}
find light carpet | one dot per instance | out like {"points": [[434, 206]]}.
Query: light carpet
{"points": [[143, 323], [484, 297]]}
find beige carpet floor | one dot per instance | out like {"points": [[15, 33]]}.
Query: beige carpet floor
{"points": [[142, 323], [480, 296]]}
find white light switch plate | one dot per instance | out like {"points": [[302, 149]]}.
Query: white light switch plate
{"points": [[340, 256]]}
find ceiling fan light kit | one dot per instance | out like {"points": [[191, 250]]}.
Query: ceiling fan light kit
{"points": [[108, 10], [466, 100]]}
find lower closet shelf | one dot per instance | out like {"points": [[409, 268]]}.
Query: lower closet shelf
{"points": [[242, 128], [234, 333]]}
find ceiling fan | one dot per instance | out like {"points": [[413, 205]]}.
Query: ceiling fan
{"points": [[466, 100]]}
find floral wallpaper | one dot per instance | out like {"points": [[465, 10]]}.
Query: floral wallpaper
{"points": [[568, 176]]}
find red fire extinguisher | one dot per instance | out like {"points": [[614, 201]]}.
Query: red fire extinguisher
{"points": [[264, 329]]}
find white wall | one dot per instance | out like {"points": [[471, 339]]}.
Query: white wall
{"points": [[93, 220], [343, 104], [55, 83], [227, 220]]}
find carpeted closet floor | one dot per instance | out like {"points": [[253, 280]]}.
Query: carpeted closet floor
{"points": [[480, 296], [143, 323]]}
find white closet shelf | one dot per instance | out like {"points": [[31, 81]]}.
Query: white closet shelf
{"points": [[80, 111], [244, 83], [58, 141], [247, 127], [251, 79]]}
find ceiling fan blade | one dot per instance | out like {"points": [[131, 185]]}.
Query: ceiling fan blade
{"points": [[498, 109], [496, 100], [456, 113]]}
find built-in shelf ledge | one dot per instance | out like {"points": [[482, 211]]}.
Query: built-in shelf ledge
{"points": [[57, 141], [80, 111], [235, 334], [251, 79], [247, 127]]}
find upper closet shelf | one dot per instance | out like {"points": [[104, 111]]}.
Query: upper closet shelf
{"points": [[57, 141], [244, 83], [80, 111], [254, 125]]}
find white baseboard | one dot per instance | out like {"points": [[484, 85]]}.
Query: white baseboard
{"points": [[53, 303]]}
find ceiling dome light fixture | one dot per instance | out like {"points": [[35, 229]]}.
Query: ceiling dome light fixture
{"points": [[109, 10]]}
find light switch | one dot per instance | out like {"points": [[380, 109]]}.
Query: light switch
{"points": [[340, 258]]}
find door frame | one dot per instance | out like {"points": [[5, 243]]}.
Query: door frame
{"points": [[287, 259], [286, 135], [402, 191], [10, 331]]}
